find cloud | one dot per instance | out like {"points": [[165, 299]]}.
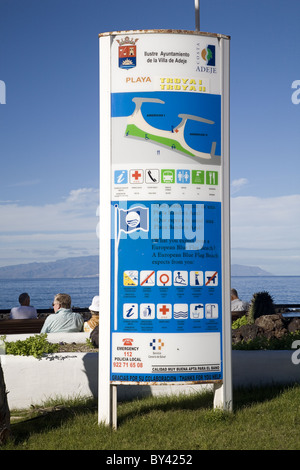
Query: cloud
{"points": [[77, 212], [236, 185], [82, 196], [266, 232], [24, 183], [51, 231]]}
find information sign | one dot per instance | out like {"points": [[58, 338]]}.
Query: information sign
{"points": [[164, 163]]}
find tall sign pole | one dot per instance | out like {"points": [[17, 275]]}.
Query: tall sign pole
{"points": [[197, 15], [164, 213]]}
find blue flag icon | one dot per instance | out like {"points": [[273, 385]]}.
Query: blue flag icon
{"points": [[135, 218]]}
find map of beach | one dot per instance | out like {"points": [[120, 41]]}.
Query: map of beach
{"points": [[185, 123]]}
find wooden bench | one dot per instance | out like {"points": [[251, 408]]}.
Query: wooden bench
{"points": [[9, 327], [237, 314]]}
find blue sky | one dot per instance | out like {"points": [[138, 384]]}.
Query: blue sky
{"points": [[49, 124]]}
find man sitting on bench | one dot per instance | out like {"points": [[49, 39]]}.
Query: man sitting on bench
{"points": [[25, 311], [63, 320]]}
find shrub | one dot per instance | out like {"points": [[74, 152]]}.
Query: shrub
{"points": [[263, 343], [244, 320], [36, 346], [261, 304]]}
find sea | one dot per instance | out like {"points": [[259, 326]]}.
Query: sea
{"points": [[283, 289], [42, 291]]}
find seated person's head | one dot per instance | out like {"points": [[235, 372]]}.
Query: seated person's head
{"points": [[234, 294], [62, 301], [24, 299]]}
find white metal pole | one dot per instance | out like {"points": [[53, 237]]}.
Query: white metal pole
{"points": [[197, 15], [223, 392], [105, 402]]}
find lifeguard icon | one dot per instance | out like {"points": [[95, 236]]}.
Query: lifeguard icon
{"points": [[127, 53]]}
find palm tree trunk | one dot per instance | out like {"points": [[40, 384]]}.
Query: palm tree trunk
{"points": [[4, 410]]}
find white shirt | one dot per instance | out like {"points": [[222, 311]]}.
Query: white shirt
{"points": [[237, 305], [22, 313]]}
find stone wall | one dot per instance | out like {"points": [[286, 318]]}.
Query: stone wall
{"points": [[270, 326]]}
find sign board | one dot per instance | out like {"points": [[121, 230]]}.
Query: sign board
{"points": [[164, 206]]}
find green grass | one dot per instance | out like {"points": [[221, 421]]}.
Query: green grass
{"points": [[133, 130], [262, 419]]}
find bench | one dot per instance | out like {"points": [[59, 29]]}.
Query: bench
{"points": [[237, 314], [32, 325]]}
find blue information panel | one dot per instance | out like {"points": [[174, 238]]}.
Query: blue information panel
{"points": [[166, 292]]}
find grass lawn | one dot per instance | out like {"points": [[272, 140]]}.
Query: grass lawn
{"points": [[262, 419]]}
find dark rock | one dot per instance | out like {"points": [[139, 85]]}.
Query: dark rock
{"points": [[269, 326], [246, 333], [272, 325], [294, 325]]}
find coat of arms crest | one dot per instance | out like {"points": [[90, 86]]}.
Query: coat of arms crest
{"points": [[127, 52]]}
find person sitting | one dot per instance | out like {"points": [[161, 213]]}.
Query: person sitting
{"points": [[237, 305], [63, 319], [90, 324], [25, 311]]}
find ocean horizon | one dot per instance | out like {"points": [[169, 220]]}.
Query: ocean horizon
{"points": [[42, 291], [283, 289]]}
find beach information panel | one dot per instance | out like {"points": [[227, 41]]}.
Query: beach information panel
{"points": [[163, 165]]}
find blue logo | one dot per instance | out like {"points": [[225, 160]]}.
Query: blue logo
{"points": [[136, 218], [121, 177], [209, 55], [183, 176], [156, 345]]}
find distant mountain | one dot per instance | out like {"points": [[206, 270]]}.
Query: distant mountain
{"points": [[88, 266], [83, 266], [240, 270]]}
